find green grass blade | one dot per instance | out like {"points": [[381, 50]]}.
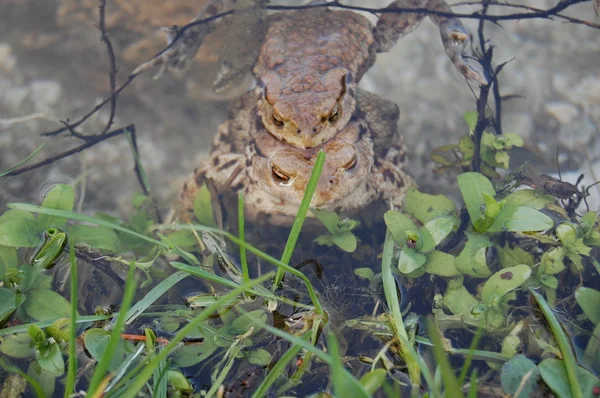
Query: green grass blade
{"points": [[241, 235], [140, 381], [278, 369], [451, 386], [414, 363], [42, 324], [299, 341], [115, 336], [72, 364], [154, 295], [81, 217], [341, 387], [22, 162], [469, 358], [300, 216], [563, 344]]}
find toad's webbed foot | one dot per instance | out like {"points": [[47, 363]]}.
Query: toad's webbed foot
{"points": [[455, 38], [183, 44]]}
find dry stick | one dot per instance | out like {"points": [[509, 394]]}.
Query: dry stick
{"points": [[90, 142], [112, 75]]}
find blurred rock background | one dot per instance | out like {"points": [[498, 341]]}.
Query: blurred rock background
{"points": [[53, 65]]}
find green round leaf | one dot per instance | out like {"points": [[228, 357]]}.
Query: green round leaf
{"points": [[50, 359], [473, 186], [46, 379], [100, 238], [519, 219], [441, 264], [96, 341], [503, 282], [410, 260], [398, 224], [345, 241], [472, 260], [529, 198], [46, 304], [17, 345], [554, 375], [513, 374], [8, 304], [259, 357], [60, 197], [22, 232], [589, 301], [426, 207], [372, 380]]}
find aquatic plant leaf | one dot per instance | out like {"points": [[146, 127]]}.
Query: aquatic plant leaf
{"points": [[441, 264], [458, 299], [46, 379], [59, 330], [180, 383], [96, 342], [46, 304], [192, 354], [514, 256], [518, 219], [438, 229], [554, 374], [260, 357], [203, 207], [60, 197], [471, 120], [21, 232], [101, 238], [345, 241], [552, 261], [372, 380], [329, 219], [242, 324], [473, 186], [549, 281], [399, 224], [50, 358], [17, 345], [519, 374], [8, 259], [472, 260], [425, 207], [410, 260], [512, 139], [365, 273], [529, 198], [324, 240], [503, 282], [589, 301], [8, 304], [182, 238]]}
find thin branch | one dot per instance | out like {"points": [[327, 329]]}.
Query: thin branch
{"points": [[112, 75], [90, 142]]}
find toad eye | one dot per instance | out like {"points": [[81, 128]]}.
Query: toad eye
{"points": [[350, 165], [335, 112], [280, 177], [277, 120]]}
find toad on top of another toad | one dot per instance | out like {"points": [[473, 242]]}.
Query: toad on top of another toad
{"points": [[311, 60], [273, 175]]}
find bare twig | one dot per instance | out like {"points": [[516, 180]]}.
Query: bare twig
{"points": [[90, 142], [112, 75]]}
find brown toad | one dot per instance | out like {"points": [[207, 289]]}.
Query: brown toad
{"points": [[273, 175], [312, 59]]}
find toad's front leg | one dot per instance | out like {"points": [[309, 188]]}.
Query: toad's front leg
{"points": [[455, 38]]}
